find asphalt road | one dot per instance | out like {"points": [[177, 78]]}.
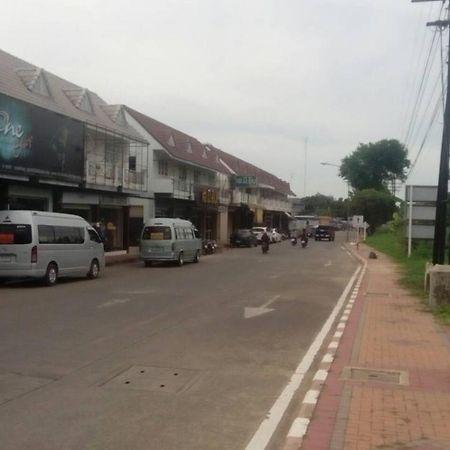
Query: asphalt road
{"points": [[162, 357]]}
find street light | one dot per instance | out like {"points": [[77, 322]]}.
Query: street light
{"points": [[348, 196]]}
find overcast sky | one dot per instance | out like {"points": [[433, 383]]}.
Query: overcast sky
{"points": [[253, 77]]}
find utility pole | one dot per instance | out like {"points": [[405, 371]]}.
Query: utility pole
{"points": [[440, 226]]}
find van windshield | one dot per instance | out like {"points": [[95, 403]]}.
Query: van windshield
{"points": [[157, 233], [15, 234]]}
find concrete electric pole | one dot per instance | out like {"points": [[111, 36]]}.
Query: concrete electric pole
{"points": [[440, 227]]}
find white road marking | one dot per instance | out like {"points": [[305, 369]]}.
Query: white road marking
{"points": [[299, 427], [260, 310], [311, 397], [328, 358], [333, 344], [328, 264], [321, 375], [338, 334], [137, 292], [113, 302], [269, 425]]}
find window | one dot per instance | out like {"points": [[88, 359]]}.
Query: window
{"points": [[163, 167], [46, 234], [49, 234], [15, 234], [211, 180], [196, 233], [93, 236], [196, 176], [157, 233], [132, 163], [183, 173]]}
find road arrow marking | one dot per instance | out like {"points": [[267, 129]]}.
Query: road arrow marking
{"points": [[260, 310]]}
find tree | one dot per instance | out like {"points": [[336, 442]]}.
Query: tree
{"points": [[374, 165], [377, 207]]}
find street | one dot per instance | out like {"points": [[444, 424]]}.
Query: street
{"points": [[164, 357]]}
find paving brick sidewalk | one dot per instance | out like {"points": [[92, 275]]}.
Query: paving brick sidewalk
{"points": [[408, 408]]}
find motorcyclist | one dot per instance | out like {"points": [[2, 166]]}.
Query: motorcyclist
{"points": [[304, 236], [265, 241]]}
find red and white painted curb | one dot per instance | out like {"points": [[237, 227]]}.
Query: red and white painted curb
{"points": [[300, 425]]}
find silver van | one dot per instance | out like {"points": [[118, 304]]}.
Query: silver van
{"points": [[46, 245], [169, 240]]}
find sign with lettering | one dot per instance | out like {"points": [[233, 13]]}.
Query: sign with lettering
{"points": [[34, 141], [245, 181], [209, 196]]}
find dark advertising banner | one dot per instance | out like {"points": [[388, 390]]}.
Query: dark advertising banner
{"points": [[34, 141]]}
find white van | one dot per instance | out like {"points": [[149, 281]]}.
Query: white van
{"points": [[169, 240], [47, 245]]}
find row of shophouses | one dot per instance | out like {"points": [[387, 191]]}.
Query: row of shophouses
{"points": [[64, 149]]}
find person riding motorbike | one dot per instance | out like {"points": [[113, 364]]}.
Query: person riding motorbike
{"points": [[265, 241], [304, 238]]}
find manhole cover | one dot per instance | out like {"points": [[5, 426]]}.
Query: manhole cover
{"points": [[160, 379], [378, 375]]}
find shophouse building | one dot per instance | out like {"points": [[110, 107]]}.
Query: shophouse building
{"points": [[217, 191], [188, 178], [62, 148]]}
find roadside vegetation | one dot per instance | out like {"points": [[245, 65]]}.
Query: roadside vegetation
{"points": [[390, 240]]}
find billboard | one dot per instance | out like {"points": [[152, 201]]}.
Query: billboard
{"points": [[34, 141]]}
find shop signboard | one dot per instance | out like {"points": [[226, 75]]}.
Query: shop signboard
{"points": [[209, 197], [37, 142], [245, 181]]}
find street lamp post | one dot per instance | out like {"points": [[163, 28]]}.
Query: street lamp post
{"points": [[348, 197]]}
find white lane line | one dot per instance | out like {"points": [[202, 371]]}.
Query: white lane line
{"points": [[299, 427], [269, 425], [333, 344], [337, 335], [341, 326]]}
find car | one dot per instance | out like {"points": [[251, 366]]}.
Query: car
{"points": [[324, 232], [274, 235], [258, 232], [243, 238]]}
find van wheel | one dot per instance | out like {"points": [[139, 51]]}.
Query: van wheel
{"points": [[197, 256], [94, 271], [180, 260], [51, 275]]}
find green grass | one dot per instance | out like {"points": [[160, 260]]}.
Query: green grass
{"points": [[412, 268]]}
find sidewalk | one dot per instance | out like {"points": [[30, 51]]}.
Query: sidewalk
{"points": [[401, 397]]}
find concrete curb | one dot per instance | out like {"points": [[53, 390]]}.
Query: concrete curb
{"points": [[299, 427]]}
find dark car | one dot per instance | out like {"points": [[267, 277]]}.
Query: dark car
{"points": [[243, 238], [324, 232]]}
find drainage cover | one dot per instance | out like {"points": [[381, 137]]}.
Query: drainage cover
{"points": [[378, 375], [160, 379]]}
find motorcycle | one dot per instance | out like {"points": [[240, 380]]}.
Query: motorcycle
{"points": [[304, 242], [209, 247], [293, 240]]}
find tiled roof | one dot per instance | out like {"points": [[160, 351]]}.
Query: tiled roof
{"points": [[180, 145], [241, 167], [18, 79]]}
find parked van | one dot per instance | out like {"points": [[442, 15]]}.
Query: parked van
{"points": [[169, 240], [48, 245]]}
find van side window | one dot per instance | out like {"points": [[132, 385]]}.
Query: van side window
{"points": [[196, 233], [49, 234], [46, 234], [188, 233], [93, 236]]}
